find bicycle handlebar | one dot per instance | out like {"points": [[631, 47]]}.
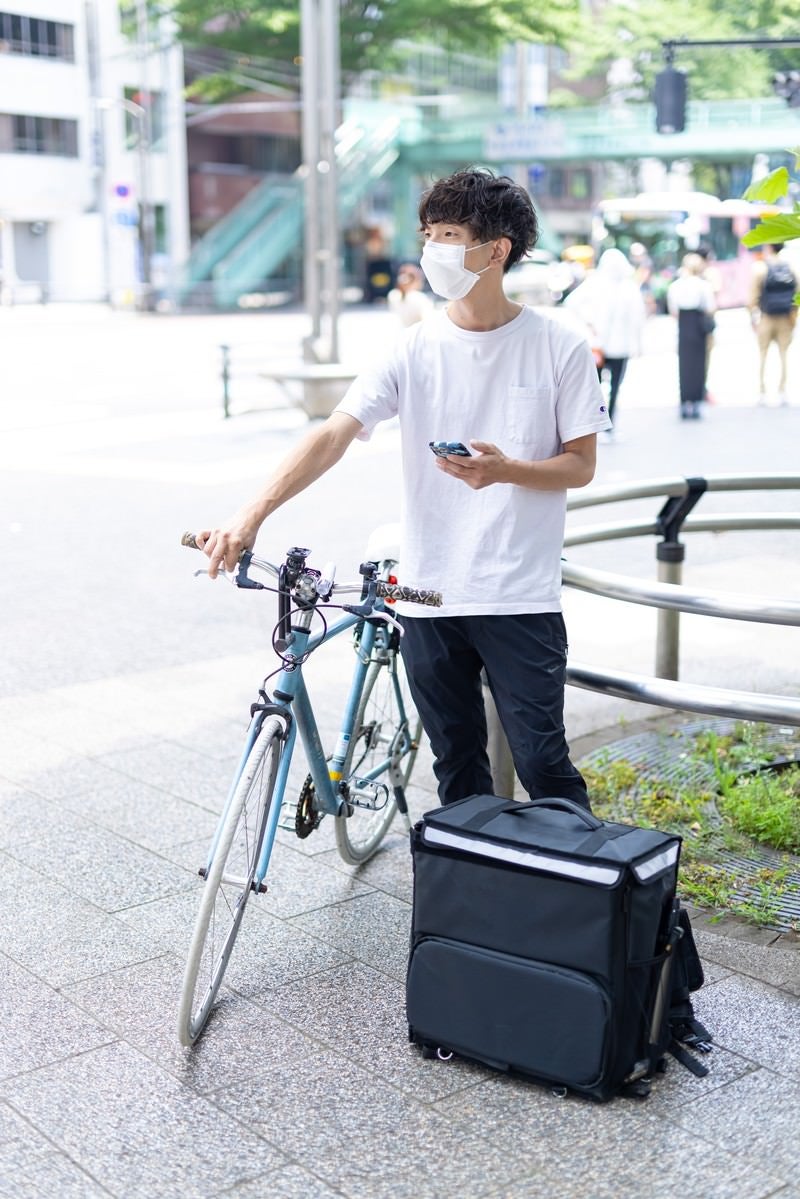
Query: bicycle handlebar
{"points": [[386, 590], [411, 595]]}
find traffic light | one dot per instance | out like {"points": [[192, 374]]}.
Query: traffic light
{"points": [[786, 84], [670, 97]]}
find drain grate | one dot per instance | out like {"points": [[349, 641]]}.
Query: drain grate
{"points": [[670, 755]]}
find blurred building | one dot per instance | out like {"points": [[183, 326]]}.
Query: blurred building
{"points": [[93, 174]]}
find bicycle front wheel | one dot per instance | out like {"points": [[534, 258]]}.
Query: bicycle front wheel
{"points": [[229, 882], [386, 729]]}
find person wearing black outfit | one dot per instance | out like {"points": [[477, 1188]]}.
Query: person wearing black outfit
{"points": [[690, 298]]}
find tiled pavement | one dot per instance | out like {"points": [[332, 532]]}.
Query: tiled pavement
{"points": [[304, 1083], [115, 748]]}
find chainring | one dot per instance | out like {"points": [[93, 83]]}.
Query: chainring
{"points": [[306, 817]]}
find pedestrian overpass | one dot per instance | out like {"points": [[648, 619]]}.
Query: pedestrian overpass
{"points": [[406, 143]]}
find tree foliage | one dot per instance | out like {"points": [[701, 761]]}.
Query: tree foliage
{"points": [[370, 28], [633, 30], [776, 227]]}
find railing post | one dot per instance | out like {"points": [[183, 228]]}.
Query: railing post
{"points": [[500, 761], [226, 380], [670, 554]]}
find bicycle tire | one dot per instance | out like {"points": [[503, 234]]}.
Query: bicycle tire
{"points": [[229, 883], [378, 731]]}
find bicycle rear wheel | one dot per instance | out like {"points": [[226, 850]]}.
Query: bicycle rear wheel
{"points": [[386, 728], [229, 882]]}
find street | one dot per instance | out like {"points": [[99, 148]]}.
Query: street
{"points": [[113, 444], [124, 691]]}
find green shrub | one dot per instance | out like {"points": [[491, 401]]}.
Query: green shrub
{"points": [[766, 806]]}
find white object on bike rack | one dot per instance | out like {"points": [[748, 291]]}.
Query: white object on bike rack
{"points": [[384, 543]]}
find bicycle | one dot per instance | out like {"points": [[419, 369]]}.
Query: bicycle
{"points": [[361, 785]]}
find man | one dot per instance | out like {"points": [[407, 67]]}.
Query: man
{"points": [[487, 529], [773, 313]]}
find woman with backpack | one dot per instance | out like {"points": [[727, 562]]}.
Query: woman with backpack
{"points": [[773, 313]]}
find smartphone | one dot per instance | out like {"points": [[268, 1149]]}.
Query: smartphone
{"points": [[442, 448]]}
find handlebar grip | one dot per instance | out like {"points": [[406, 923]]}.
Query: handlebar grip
{"points": [[412, 595], [188, 539]]}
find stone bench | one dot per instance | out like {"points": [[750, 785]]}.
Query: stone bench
{"points": [[316, 387]]}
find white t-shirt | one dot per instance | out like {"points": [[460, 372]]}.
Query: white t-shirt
{"points": [[410, 307], [528, 387], [688, 293]]}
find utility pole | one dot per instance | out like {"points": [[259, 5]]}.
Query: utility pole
{"points": [[145, 138], [320, 80]]}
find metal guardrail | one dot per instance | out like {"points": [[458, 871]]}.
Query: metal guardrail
{"points": [[671, 598]]}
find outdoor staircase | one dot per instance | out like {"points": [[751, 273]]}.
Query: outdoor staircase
{"points": [[254, 240]]}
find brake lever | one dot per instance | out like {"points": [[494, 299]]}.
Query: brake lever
{"points": [[227, 575], [390, 619], [241, 578]]}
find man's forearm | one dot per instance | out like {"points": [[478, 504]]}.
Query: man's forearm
{"points": [[318, 451], [568, 469], [573, 467]]}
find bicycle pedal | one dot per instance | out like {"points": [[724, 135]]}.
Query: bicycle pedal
{"points": [[366, 793]]}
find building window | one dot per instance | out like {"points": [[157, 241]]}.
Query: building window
{"points": [[556, 182], [21, 133], [278, 154], [36, 37], [154, 101]]}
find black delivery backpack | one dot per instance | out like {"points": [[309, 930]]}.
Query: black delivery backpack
{"points": [[543, 941]]}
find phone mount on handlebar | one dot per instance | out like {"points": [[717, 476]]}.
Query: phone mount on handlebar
{"points": [[290, 571]]}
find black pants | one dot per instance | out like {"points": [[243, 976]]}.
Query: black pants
{"points": [[616, 368], [525, 658], [692, 343]]}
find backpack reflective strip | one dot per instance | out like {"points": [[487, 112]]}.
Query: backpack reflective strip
{"points": [[657, 863], [607, 875]]}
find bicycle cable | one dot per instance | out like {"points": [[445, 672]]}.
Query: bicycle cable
{"points": [[290, 663]]}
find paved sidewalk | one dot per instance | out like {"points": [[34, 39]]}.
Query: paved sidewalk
{"points": [[116, 743]]}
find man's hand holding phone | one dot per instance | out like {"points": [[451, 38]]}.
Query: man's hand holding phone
{"points": [[477, 470], [444, 448]]}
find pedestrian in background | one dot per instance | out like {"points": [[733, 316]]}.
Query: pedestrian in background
{"points": [[691, 300], [712, 275], [610, 305], [407, 300], [577, 263], [773, 313], [642, 265]]}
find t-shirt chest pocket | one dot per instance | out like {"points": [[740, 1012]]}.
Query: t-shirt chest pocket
{"points": [[529, 414]]}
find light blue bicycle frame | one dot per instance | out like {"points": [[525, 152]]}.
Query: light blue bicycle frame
{"points": [[298, 714]]}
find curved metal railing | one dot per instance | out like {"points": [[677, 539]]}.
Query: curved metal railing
{"points": [[671, 598]]}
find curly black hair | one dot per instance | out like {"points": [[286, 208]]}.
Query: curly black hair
{"points": [[490, 205]]}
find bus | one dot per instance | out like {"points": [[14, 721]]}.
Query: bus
{"points": [[670, 224]]}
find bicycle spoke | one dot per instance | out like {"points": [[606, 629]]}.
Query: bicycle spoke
{"points": [[385, 739], [229, 883]]}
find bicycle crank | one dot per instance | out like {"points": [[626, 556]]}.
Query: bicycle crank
{"points": [[306, 817]]}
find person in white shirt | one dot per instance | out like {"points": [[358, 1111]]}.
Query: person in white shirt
{"points": [[691, 299], [487, 530], [611, 306], [407, 301]]}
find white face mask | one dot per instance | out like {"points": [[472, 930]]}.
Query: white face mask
{"points": [[445, 271]]}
